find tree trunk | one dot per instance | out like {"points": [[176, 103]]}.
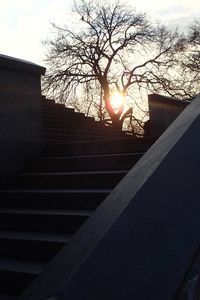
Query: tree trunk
{"points": [[115, 117], [116, 122]]}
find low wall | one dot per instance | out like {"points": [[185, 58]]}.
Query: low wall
{"points": [[163, 111], [20, 114]]}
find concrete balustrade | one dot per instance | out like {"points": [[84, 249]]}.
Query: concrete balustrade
{"points": [[20, 113]]}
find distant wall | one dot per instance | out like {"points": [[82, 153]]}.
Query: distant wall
{"points": [[163, 111], [20, 114]]}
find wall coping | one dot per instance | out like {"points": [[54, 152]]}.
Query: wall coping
{"points": [[8, 62], [168, 100]]}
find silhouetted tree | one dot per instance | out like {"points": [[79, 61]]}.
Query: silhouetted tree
{"points": [[113, 48], [190, 60], [183, 78]]}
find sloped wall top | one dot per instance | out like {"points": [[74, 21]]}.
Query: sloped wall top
{"points": [[8, 62]]}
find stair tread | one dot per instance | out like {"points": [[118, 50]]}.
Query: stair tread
{"points": [[64, 116], [72, 173], [47, 212], [60, 136], [72, 180], [48, 141], [122, 145], [21, 266], [103, 140], [56, 191], [95, 130], [90, 156], [76, 118], [35, 236], [8, 297]]}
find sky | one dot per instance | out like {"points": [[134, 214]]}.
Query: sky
{"points": [[24, 24]]}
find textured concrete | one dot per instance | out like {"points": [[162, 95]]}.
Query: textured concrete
{"points": [[139, 243], [20, 113], [163, 111]]}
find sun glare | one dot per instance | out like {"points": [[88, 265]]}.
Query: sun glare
{"points": [[116, 101]]}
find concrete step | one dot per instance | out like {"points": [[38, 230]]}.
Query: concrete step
{"points": [[19, 245], [65, 116], [8, 297], [42, 221], [72, 180], [115, 145], [14, 283], [16, 275], [58, 112], [54, 138], [72, 123], [103, 132], [76, 125], [15, 265], [66, 139], [61, 113], [84, 162], [33, 236], [57, 109], [51, 104], [53, 199], [63, 141]]}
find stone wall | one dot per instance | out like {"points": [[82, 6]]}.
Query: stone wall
{"points": [[20, 114], [163, 111]]}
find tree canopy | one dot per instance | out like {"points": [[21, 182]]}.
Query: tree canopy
{"points": [[113, 49], [190, 60]]}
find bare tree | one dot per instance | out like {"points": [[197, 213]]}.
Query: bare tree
{"points": [[190, 60], [182, 80], [113, 47]]}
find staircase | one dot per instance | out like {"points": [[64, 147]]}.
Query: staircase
{"points": [[41, 209]]}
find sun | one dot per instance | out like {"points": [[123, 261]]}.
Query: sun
{"points": [[116, 101]]}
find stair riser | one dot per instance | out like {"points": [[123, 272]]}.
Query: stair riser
{"points": [[108, 147], [50, 200], [15, 283], [52, 106], [79, 123], [103, 132], [7, 296], [41, 223], [60, 114], [71, 138], [29, 250], [84, 163], [69, 125], [72, 117], [72, 181], [73, 123]]}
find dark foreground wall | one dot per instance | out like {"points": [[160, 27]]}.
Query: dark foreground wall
{"points": [[20, 113], [163, 111], [140, 242]]}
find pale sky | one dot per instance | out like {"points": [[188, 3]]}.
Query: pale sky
{"points": [[24, 24]]}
